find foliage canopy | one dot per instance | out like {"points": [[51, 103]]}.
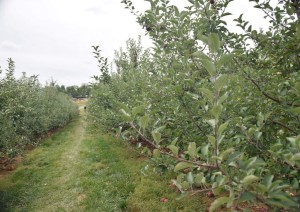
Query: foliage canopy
{"points": [[28, 111], [219, 108]]}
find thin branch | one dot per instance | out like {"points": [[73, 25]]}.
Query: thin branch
{"points": [[190, 113], [141, 134], [284, 126], [258, 86], [200, 191], [282, 25], [169, 154]]}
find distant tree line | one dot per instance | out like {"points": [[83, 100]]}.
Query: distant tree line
{"points": [[75, 91]]}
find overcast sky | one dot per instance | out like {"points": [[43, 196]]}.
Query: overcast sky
{"points": [[53, 38]]}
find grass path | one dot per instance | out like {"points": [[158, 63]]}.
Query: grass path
{"points": [[80, 169]]}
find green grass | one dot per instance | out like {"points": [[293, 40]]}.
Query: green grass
{"points": [[80, 169]]}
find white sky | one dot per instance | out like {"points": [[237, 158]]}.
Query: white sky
{"points": [[53, 38]]}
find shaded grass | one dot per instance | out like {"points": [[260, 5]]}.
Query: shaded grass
{"points": [[36, 183], [111, 175], [150, 190], [125, 188], [85, 170]]}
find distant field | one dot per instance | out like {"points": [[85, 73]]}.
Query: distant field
{"points": [[80, 102]]}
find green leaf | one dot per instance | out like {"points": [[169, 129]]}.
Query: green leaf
{"points": [[255, 162], [174, 141], [221, 138], [156, 136], [174, 149], [177, 184], [297, 142], [295, 157], [221, 82], [214, 42], [225, 58], [257, 135], [283, 198], [146, 151], [295, 183], [144, 121], [260, 119], [182, 165], [126, 115], [200, 55], [225, 153], [183, 15], [185, 185], [209, 66], [207, 93], [215, 189], [192, 149], [203, 38], [289, 9], [225, 14], [211, 139], [216, 158], [222, 128], [212, 122], [276, 203], [190, 178], [292, 140], [247, 196], [138, 110], [295, 110], [160, 128], [267, 181], [176, 10], [218, 203], [124, 107], [199, 179], [220, 180], [296, 89], [223, 98], [249, 179], [216, 110], [156, 153], [204, 150], [298, 30]]}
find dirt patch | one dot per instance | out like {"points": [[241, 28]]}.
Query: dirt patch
{"points": [[4, 173], [8, 165], [81, 197]]}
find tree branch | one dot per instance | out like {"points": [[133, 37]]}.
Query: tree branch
{"points": [[258, 86], [169, 154], [284, 126]]}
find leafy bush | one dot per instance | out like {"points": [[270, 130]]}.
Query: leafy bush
{"points": [[28, 111], [219, 108]]}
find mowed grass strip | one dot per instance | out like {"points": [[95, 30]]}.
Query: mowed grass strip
{"points": [[46, 180], [115, 181], [80, 169]]}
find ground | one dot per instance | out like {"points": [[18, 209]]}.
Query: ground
{"points": [[81, 169]]}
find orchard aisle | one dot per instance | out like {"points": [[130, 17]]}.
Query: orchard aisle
{"points": [[73, 170], [81, 169]]}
